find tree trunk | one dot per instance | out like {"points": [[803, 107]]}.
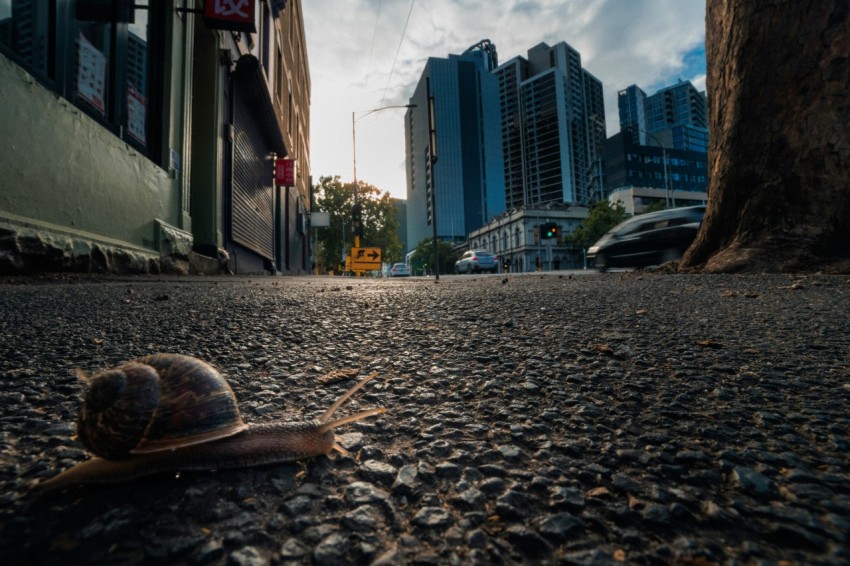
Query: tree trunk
{"points": [[779, 159]]}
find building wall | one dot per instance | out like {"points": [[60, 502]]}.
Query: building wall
{"points": [[675, 117], [510, 75], [660, 154], [514, 236], [84, 188], [74, 195], [675, 105], [548, 139], [631, 165], [89, 182], [631, 103], [417, 167], [293, 90], [635, 200]]}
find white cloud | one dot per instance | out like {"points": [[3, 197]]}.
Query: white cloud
{"points": [[621, 42]]}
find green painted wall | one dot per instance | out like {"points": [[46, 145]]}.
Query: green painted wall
{"points": [[59, 169]]}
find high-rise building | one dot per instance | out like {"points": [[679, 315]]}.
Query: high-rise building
{"points": [[675, 116], [661, 151], [553, 127], [467, 177], [631, 102]]}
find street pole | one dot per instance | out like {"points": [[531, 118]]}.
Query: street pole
{"points": [[354, 161], [432, 157], [354, 151], [354, 119]]}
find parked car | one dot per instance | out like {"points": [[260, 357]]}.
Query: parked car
{"points": [[647, 239], [399, 270], [476, 261]]}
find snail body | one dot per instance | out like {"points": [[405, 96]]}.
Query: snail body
{"points": [[169, 412]]}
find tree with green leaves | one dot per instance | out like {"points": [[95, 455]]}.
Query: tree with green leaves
{"points": [[379, 219], [423, 257], [603, 216]]}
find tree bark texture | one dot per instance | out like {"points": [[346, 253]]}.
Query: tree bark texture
{"points": [[779, 157]]}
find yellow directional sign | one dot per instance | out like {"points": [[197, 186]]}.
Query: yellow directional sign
{"points": [[365, 259]]}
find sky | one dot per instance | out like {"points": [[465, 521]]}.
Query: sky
{"points": [[368, 54]]}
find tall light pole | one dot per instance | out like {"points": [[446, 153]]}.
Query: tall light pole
{"points": [[664, 162], [354, 119], [432, 159]]}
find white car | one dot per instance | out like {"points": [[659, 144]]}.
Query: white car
{"points": [[476, 261], [399, 270]]}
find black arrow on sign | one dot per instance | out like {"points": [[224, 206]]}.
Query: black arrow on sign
{"points": [[374, 255]]}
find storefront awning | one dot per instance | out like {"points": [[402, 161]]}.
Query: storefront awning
{"points": [[253, 85]]}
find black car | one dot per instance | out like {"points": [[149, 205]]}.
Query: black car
{"points": [[647, 239]]}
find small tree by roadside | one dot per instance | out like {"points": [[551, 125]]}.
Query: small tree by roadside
{"points": [[380, 223]]}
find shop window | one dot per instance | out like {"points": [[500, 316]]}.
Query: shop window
{"points": [[106, 58]]}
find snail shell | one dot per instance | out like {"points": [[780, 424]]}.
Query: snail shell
{"points": [[159, 402]]}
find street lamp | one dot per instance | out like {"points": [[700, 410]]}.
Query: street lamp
{"points": [[354, 119], [664, 162]]}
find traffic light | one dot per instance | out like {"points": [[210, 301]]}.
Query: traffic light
{"points": [[357, 220], [549, 230]]}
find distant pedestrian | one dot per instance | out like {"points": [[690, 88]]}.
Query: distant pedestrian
{"points": [[539, 264]]}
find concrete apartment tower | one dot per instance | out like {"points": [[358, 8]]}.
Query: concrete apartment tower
{"points": [[553, 128]]}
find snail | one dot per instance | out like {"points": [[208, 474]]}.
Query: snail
{"points": [[170, 412]]}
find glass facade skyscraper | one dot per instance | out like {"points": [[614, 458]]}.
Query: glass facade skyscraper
{"points": [[553, 127], [675, 116], [661, 151], [468, 176]]}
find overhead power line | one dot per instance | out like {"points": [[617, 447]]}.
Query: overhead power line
{"points": [[372, 48], [403, 32]]}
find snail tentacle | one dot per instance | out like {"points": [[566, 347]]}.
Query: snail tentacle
{"points": [[329, 413]]}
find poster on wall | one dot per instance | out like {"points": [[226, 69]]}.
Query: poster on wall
{"points": [[91, 78], [136, 111]]}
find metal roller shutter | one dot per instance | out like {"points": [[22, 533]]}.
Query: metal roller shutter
{"points": [[252, 210]]}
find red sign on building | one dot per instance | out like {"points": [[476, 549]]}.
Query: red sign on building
{"points": [[284, 172], [233, 15]]}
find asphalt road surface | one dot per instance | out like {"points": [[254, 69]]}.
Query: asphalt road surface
{"points": [[598, 419]]}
